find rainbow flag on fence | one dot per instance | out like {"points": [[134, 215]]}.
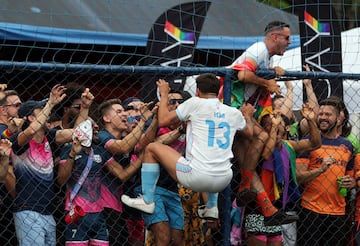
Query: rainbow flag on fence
{"points": [[261, 99]]}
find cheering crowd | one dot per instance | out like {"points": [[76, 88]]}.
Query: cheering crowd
{"points": [[135, 173]]}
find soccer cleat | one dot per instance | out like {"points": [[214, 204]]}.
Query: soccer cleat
{"points": [[280, 218], [208, 213], [244, 197], [138, 203]]}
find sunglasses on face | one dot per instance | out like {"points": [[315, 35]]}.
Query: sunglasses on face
{"points": [[174, 101], [75, 106], [133, 119]]}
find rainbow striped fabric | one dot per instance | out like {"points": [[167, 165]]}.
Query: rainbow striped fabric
{"points": [[176, 33], [320, 27]]}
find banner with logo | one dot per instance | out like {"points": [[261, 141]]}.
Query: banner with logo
{"points": [[172, 41], [320, 38]]}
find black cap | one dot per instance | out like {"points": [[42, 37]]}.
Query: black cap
{"points": [[129, 100], [28, 107]]}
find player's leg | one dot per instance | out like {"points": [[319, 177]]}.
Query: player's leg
{"points": [[156, 154]]}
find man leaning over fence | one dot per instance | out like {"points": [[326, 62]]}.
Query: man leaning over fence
{"points": [[255, 90]]}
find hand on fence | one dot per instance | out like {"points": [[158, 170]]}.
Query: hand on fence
{"points": [[308, 112], [163, 86], [145, 112], [273, 87], [279, 71], [87, 98], [247, 110], [57, 94]]}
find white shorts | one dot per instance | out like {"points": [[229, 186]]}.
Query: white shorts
{"points": [[199, 181]]}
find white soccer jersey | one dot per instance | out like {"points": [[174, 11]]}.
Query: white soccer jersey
{"points": [[259, 53], [210, 133]]}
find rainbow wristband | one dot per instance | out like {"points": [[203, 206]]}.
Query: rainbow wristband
{"points": [[7, 134]]}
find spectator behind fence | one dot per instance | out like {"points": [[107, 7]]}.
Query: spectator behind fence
{"points": [[212, 126], [256, 90], [9, 125], [278, 173], [80, 168], [344, 130], [356, 218], [252, 89], [63, 116], [120, 138], [33, 168], [166, 224], [323, 173]]}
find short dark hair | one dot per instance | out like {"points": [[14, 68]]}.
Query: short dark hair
{"points": [[340, 105], [275, 25], [105, 106], [7, 93], [208, 83], [331, 101]]}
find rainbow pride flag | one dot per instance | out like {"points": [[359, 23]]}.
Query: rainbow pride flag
{"points": [[176, 33], [261, 99], [320, 27]]}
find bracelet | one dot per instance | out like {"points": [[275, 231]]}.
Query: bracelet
{"points": [[7, 134]]}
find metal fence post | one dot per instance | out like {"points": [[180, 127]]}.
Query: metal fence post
{"points": [[226, 194]]}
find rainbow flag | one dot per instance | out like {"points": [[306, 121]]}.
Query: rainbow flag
{"points": [[320, 27], [261, 99], [263, 106], [176, 33]]}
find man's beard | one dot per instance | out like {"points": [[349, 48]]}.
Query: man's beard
{"points": [[329, 129]]}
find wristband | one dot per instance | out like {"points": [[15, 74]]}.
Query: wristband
{"points": [[7, 134]]}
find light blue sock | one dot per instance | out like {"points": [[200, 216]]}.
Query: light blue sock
{"points": [[212, 200], [150, 173]]}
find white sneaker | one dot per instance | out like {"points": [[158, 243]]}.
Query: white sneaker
{"points": [[138, 203], [208, 213]]}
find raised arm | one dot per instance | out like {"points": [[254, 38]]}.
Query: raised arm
{"points": [[271, 142], [311, 99], [56, 96], [248, 111], [65, 135], [150, 133], [125, 145], [314, 140], [165, 117], [287, 107]]}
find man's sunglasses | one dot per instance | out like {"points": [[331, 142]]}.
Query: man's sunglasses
{"points": [[174, 101], [133, 119]]}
